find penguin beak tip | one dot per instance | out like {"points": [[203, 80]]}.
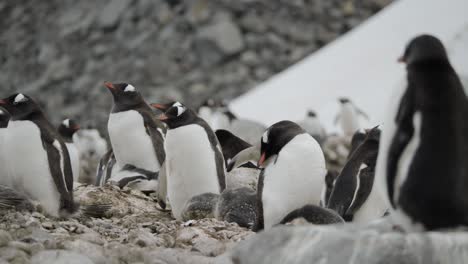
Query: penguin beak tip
{"points": [[109, 85], [162, 117]]}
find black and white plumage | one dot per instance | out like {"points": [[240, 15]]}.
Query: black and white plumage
{"points": [[136, 136], [354, 184], [294, 173], [312, 125], [426, 168], [231, 145], [4, 118], [67, 129], [39, 163], [194, 163]]}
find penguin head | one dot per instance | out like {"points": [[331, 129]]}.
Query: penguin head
{"points": [[311, 113], [423, 48], [68, 127], [20, 106], [165, 107], [124, 94], [344, 100], [275, 138], [176, 115], [4, 118], [373, 134]]}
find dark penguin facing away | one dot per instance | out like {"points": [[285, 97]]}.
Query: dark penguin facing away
{"points": [[194, 160], [354, 184], [37, 156], [231, 145], [4, 118], [427, 179], [67, 129]]}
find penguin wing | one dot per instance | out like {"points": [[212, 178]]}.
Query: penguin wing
{"points": [[260, 223], [162, 186], [400, 140], [219, 158], [60, 169], [366, 179], [102, 168], [156, 130]]}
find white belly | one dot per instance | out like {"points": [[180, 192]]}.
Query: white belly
{"points": [[75, 160], [349, 119], [296, 179], [191, 166], [130, 142], [29, 165]]}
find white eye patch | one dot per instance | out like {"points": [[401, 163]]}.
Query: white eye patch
{"points": [[1, 112], [129, 88], [265, 136], [180, 110], [177, 104], [66, 122], [20, 98]]}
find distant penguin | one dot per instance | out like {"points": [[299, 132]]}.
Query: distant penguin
{"points": [[136, 136], [67, 129], [354, 183], [194, 162], [348, 117], [4, 118], [312, 125], [39, 163], [426, 172], [91, 147], [294, 173]]}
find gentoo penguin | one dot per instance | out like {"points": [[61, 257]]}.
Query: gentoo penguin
{"points": [[348, 117], [312, 125], [427, 174], [67, 129], [294, 172], [354, 183], [231, 145], [136, 136], [356, 141], [313, 214], [194, 162], [39, 163]]}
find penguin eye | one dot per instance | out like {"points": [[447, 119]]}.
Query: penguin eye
{"points": [[19, 99], [129, 88], [265, 137]]}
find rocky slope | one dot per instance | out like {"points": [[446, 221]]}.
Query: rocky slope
{"points": [[62, 51]]}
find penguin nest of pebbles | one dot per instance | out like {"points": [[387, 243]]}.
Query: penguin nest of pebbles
{"points": [[132, 230]]}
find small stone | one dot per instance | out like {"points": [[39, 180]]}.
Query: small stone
{"points": [[208, 246], [48, 225], [60, 256], [30, 248], [5, 238]]}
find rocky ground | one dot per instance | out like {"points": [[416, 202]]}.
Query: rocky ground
{"points": [[134, 231], [61, 51]]}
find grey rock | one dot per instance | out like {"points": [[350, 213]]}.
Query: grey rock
{"points": [[5, 238], [216, 41], [143, 238], [200, 206], [30, 248], [238, 206], [175, 256], [59, 257], [13, 255], [92, 251], [111, 13], [319, 244]]}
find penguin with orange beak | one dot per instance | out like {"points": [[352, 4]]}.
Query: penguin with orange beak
{"points": [[293, 176]]}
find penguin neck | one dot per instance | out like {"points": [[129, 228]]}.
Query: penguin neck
{"points": [[121, 107], [188, 118]]}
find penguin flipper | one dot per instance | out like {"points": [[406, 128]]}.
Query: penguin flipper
{"points": [[162, 186], [101, 171], [366, 179], [61, 171], [401, 139], [155, 130]]}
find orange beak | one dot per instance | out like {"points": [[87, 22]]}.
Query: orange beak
{"points": [[401, 59], [261, 160], [109, 85], [162, 117], [160, 107]]}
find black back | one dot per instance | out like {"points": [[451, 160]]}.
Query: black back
{"points": [[188, 117], [356, 140], [313, 214], [435, 188], [346, 187], [230, 144], [28, 109]]}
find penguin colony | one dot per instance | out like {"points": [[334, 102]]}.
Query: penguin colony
{"points": [[414, 166]]}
